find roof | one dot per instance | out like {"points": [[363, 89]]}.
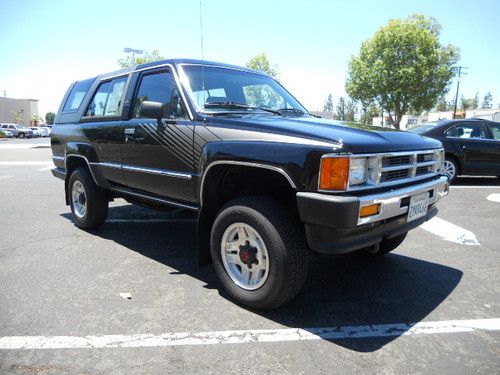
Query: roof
{"points": [[173, 62]]}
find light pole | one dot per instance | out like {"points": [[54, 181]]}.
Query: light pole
{"points": [[460, 72], [134, 51]]}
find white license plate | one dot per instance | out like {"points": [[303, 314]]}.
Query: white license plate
{"points": [[418, 206]]}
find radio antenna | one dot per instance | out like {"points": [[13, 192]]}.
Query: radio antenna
{"points": [[202, 56]]}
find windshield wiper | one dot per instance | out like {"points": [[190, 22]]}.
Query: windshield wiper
{"points": [[234, 105], [292, 110]]}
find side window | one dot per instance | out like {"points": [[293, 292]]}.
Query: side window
{"points": [[107, 99], [159, 87], [76, 95], [466, 131], [495, 130], [12, 127]]}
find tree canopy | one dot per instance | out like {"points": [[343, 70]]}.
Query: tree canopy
{"points": [[147, 57], [328, 107], [261, 63], [403, 67], [50, 117]]}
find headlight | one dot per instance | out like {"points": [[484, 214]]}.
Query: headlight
{"points": [[358, 171], [440, 162]]}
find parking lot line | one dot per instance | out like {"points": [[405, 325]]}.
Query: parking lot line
{"points": [[475, 187], [494, 197], [31, 162], [247, 336], [450, 232]]}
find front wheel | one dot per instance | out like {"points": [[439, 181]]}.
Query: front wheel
{"points": [[21, 135], [450, 169], [88, 201], [258, 252]]}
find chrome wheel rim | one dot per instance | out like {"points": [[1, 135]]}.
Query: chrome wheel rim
{"points": [[244, 255], [449, 169], [79, 199]]}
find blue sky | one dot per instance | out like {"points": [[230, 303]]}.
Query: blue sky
{"points": [[45, 45]]}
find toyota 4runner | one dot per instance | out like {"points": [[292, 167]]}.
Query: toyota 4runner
{"points": [[269, 182]]}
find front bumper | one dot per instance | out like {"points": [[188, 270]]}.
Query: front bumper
{"points": [[333, 223]]}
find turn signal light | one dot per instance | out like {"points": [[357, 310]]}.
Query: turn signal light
{"points": [[372, 209], [334, 173]]}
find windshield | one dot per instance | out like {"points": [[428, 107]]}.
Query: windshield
{"points": [[423, 128], [215, 89]]}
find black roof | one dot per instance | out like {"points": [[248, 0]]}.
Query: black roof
{"points": [[173, 62]]}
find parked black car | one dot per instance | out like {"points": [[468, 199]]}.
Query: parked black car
{"points": [[472, 146], [268, 181]]}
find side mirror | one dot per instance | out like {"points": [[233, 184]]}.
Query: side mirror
{"points": [[151, 110]]}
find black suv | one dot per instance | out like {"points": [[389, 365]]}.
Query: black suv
{"points": [[269, 182]]}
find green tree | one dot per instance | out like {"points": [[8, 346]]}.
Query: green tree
{"points": [[487, 100], [50, 117], [261, 63], [466, 103], [369, 110], [328, 107], [403, 67], [128, 61], [441, 104], [351, 110], [341, 109], [474, 102]]}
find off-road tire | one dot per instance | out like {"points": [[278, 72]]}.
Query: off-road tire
{"points": [[96, 200], [285, 244]]}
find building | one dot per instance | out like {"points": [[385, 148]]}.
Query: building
{"points": [[18, 111]]}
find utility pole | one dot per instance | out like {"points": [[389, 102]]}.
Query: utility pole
{"points": [[460, 68]]}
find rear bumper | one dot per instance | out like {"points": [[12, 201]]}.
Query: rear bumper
{"points": [[59, 173], [333, 225]]}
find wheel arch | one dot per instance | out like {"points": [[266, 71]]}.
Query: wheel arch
{"points": [[224, 181]]}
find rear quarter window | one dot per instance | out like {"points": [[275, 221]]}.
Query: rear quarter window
{"points": [[77, 94]]}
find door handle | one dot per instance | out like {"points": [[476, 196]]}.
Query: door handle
{"points": [[130, 131]]}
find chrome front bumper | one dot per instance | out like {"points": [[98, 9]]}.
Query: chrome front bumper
{"points": [[391, 202]]}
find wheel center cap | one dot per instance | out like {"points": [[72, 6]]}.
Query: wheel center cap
{"points": [[248, 254], [81, 199]]}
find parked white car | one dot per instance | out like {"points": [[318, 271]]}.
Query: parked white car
{"points": [[7, 133], [46, 131], [37, 132]]}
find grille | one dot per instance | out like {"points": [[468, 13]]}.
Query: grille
{"points": [[400, 167]]}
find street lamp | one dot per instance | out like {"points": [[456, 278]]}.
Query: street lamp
{"points": [[134, 51]]}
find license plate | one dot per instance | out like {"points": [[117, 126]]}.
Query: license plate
{"points": [[418, 206]]}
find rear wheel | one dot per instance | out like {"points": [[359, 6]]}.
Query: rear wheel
{"points": [[258, 252], [21, 135], [88, 201]]}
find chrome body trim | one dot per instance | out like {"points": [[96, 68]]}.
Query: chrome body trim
{"points": [[412, 167], [155, 199], [161, 172], [56, 157], [86, 160], [391, 201], [246, 164]]}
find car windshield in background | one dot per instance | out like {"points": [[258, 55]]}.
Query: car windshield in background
{"points": [[423, 128], [216, 89]]}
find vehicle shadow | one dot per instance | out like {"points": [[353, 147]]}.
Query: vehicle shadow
{"points": [[340, 291], [476, 181]]}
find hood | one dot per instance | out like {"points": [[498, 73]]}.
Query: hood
{"points": [[355, 138]]}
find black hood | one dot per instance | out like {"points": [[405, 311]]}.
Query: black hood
{"points": [[355, 138]]}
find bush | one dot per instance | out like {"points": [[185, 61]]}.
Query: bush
{"points": [[2, 134]]}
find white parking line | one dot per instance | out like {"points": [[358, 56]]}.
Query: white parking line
{"points": [[475, 187], [450, 232], [247, 336], [18, 146], [45, 168], [494, 197], [31, 162]]}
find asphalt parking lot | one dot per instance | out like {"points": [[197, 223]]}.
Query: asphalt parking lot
{"points": [[433, 306]]}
